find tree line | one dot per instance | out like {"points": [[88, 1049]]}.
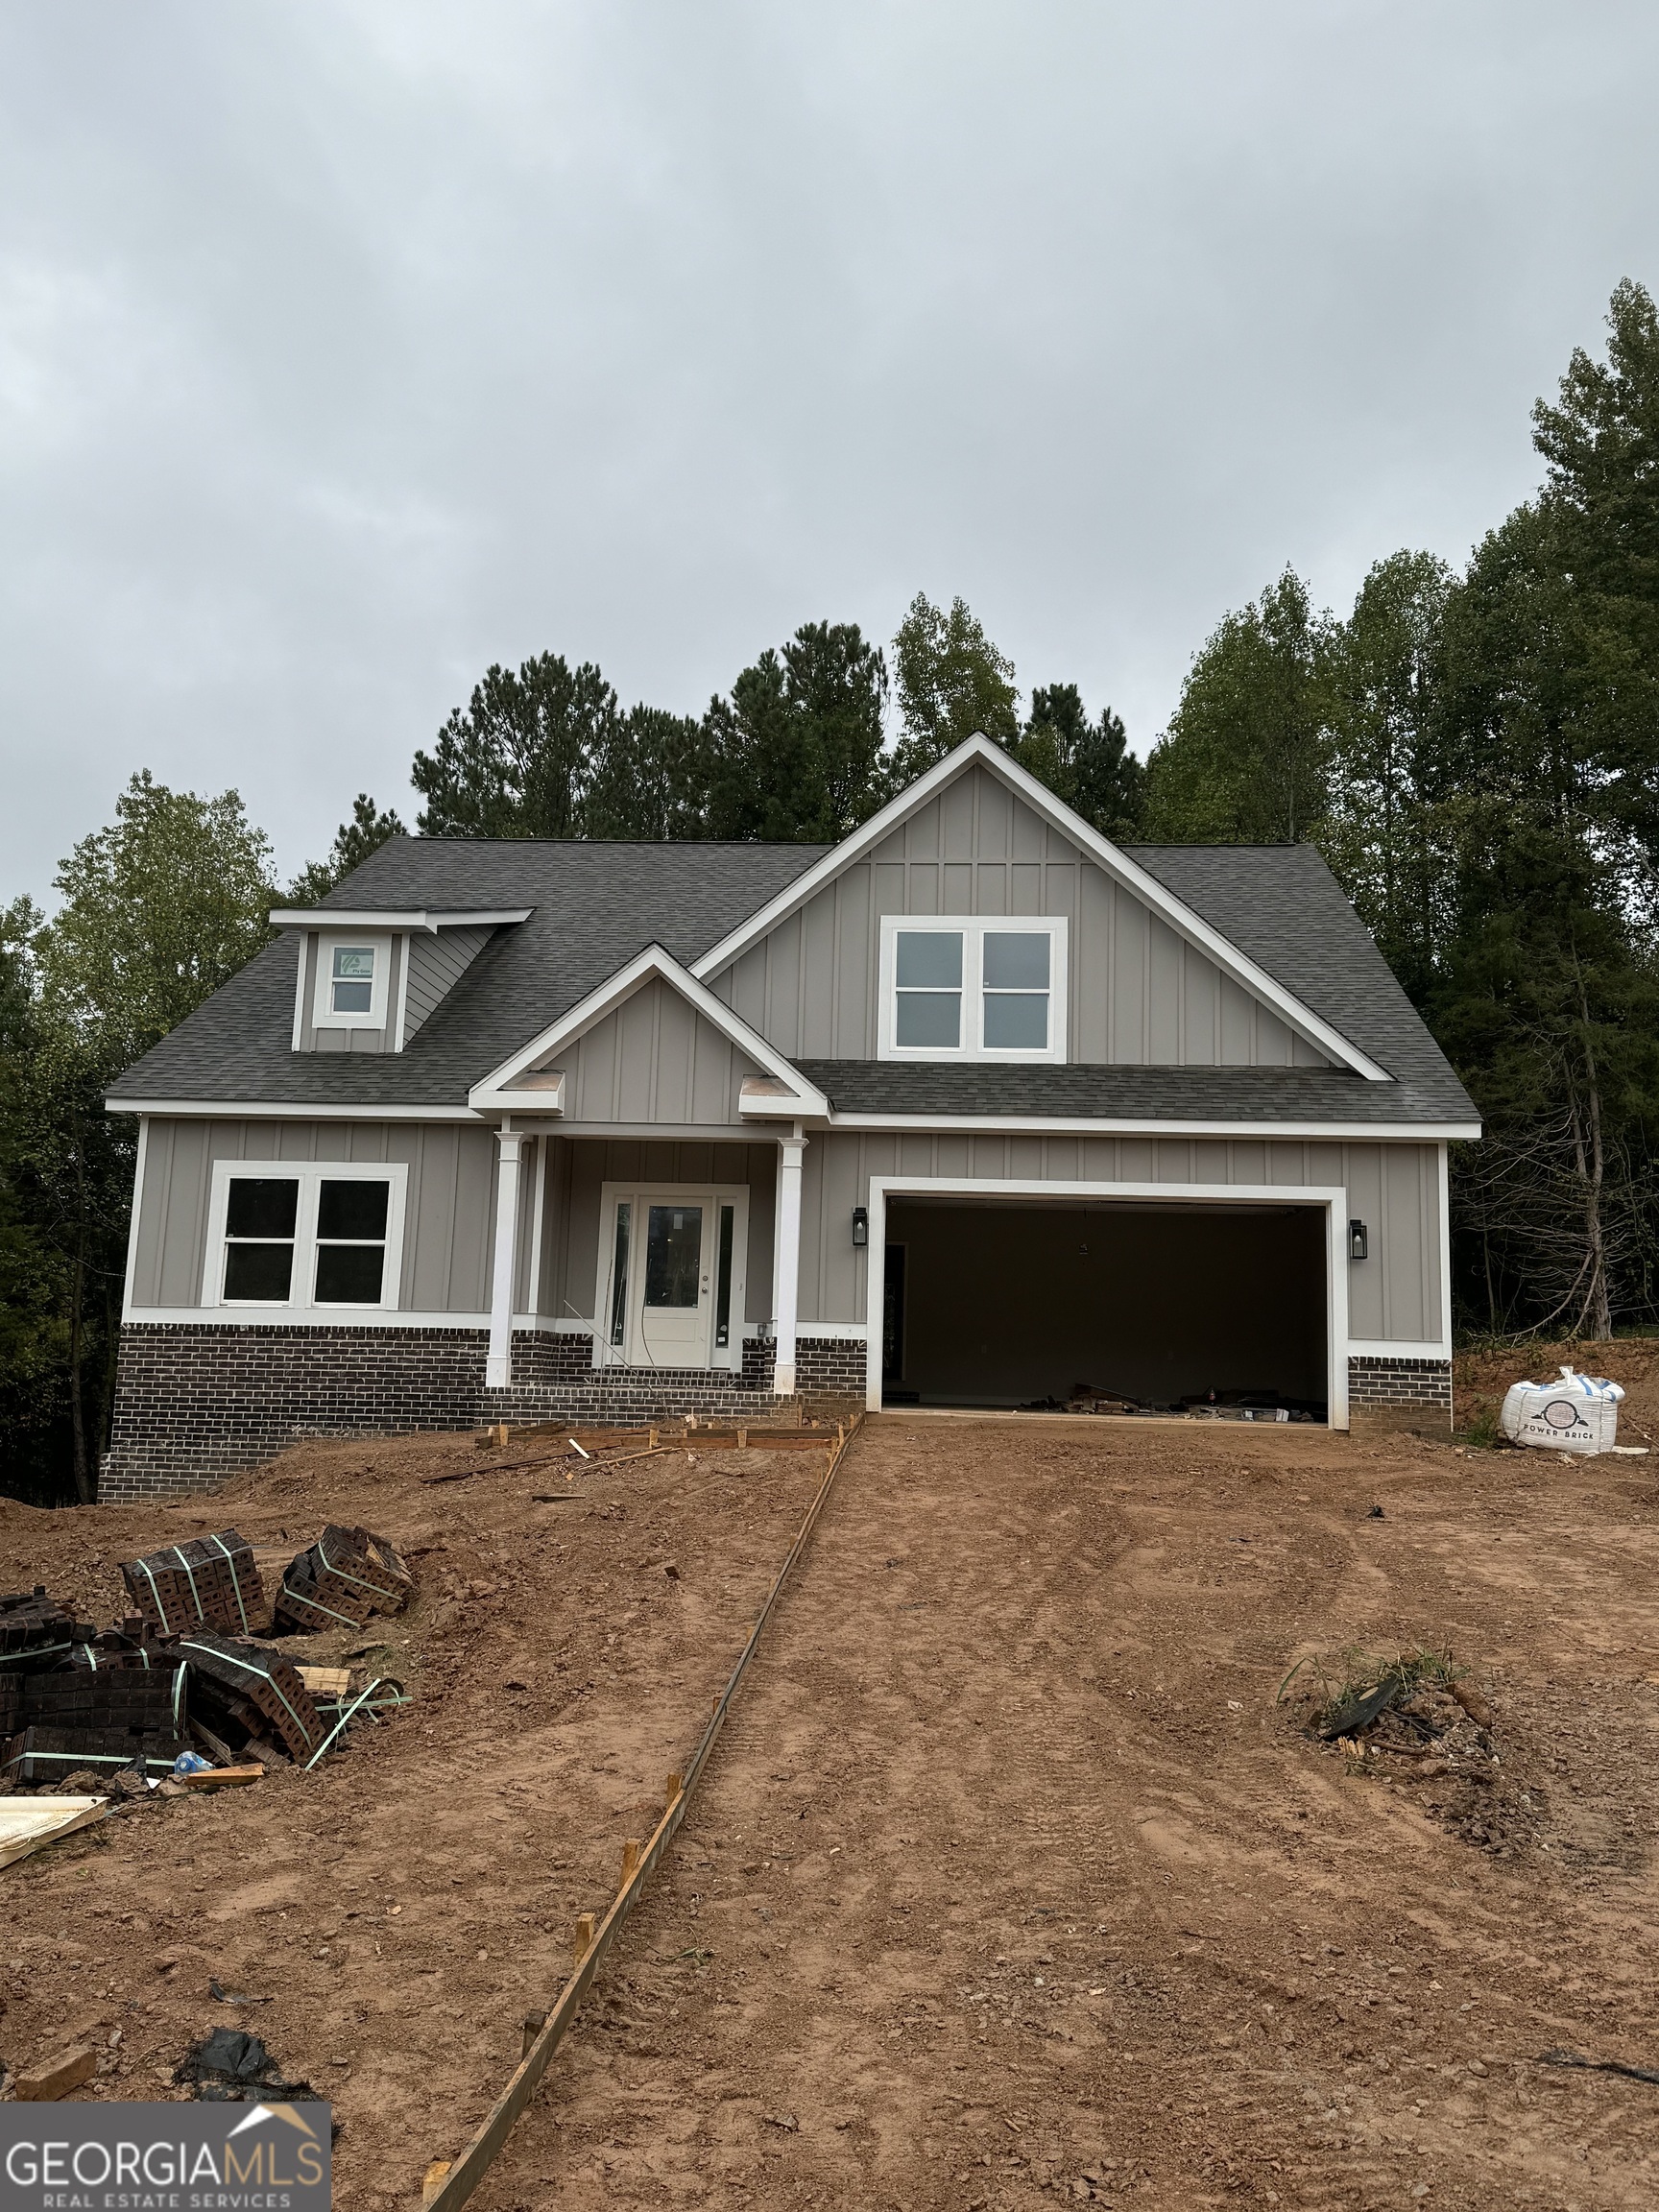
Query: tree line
{"points": [[1475, 752]]}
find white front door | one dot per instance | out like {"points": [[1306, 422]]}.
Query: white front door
{"points": [[670, 1291]]}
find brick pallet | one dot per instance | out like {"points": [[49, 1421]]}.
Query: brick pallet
{"points": [[43, 1754], [211, 1581], [35, 1631], [133, 1700], [251, 1684], [338, 1582]]}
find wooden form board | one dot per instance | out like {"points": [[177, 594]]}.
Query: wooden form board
{"points": [[449, 2193], [27, 1824]]}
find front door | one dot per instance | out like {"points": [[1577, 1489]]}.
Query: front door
{"points": [[671, 1278]]}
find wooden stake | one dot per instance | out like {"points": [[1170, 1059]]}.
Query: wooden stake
{"points": [[742, 1439], [584, 1936], [651, 1439], [534, 2022], [673, 1790], [629, 1861], [437, 2173]]}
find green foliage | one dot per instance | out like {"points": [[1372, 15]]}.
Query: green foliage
{"points": [[353, 841], [1087, 765], [517, 762], [1247, 754], [796, 751], [951, 684], [159, 909]]}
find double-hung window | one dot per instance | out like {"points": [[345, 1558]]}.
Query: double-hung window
{"points": [[979, 987], [322, 1236]]}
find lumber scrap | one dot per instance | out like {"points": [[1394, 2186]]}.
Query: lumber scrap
{"points": [[448, 2184], [29, 1823]]}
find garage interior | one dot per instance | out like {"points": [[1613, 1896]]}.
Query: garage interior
{"points": [[1005, 1303]]}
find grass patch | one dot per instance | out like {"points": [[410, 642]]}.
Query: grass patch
{"points": [[1360, 1687]]}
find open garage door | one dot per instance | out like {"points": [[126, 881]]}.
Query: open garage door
{"points": [[1004, 1303]]}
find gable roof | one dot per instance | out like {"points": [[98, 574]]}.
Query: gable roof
{"points": [[1117, 862], [595, 908]]}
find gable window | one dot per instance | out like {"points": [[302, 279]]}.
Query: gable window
{"points": [[981, 987], [351, 982], [322, 1236]]}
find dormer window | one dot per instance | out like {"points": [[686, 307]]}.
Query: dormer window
{"points": [[352, 977], [972, 987], [352, 985]]}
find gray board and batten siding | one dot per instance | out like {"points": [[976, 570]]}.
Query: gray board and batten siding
{"points": [[437, 962], [1395, 1295], [654, 1059], [450, 1217], [1140, 994]]}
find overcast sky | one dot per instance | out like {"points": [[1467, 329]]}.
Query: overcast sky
{"points": [[347, 346]]}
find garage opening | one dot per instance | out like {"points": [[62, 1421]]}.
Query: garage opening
{"points": [[1166, 1306]]}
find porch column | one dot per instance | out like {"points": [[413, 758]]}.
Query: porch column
{"points": [[786, 1261], [498, 1366]]}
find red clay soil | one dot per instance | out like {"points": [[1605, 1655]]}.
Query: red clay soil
{"points": [[1010, 1879]]}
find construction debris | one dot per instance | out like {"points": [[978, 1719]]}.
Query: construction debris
{"points": [[210, 1583], [339, 1580], [229, 2066], [26, 1823], [56, 2076], [84, 1709]]}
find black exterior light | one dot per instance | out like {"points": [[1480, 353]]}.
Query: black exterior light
{"points": [[1357, 1244], [860, 1224]]}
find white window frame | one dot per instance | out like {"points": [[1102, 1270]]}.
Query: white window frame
{"points": [[328, 942], [310, 1175], [728, 1355], [973, 929]]}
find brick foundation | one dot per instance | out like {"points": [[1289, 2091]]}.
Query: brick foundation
{"points": [[194, 1403], [1401, 1389]]}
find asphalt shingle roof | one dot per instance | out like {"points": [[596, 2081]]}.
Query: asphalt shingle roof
{"points": [[596, 905]]}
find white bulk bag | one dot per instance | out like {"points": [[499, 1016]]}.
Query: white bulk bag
{"points": [[1580, 1413]]}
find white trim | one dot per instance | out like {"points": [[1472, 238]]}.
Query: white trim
{"points": [[286, 1110], [1386, 1348], [1181, 916], [1117, 1126], [721, 1358], [497, 1088], [538, 1206], [309, 1174], [331, 941], [1333, 1199], [396, 918], [400, 1014], [300, 1317], [786, 1261], [504, 1261], [973, 929], [300, 996], [133, 1224], [1445, 1216], [843, 1332]]}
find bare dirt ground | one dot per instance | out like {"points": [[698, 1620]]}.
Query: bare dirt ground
{"points": [[1010, 1880]]}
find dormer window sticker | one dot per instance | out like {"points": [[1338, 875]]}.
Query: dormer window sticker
{"points": [[351, 982], [972, 987]]}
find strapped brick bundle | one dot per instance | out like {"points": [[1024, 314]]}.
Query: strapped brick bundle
{"points": [[39, 1753], [210, 1582], [249, 1684], [36, 1631], [338, 1582]]}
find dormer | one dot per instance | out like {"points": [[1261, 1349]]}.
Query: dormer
{"points": [[366, 981]]}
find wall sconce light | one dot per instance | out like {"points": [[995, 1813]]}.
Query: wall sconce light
{"points": [[1357, 1243], [860, 1224]]}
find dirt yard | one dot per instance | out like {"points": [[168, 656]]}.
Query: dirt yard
{"points": [[1010, 1881]]}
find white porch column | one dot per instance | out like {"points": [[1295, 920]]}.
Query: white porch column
{"points": [[786, 1261], [498, 1366]]}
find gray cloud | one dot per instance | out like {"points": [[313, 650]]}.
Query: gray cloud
{"points": [[347, 348]]}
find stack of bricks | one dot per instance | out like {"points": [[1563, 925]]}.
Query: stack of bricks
{"points": [[244, 1691], [210, 1583], [338, 1582], [68, 1700]]}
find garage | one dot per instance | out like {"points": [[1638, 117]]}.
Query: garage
{"points": [[1006, 1302]]}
